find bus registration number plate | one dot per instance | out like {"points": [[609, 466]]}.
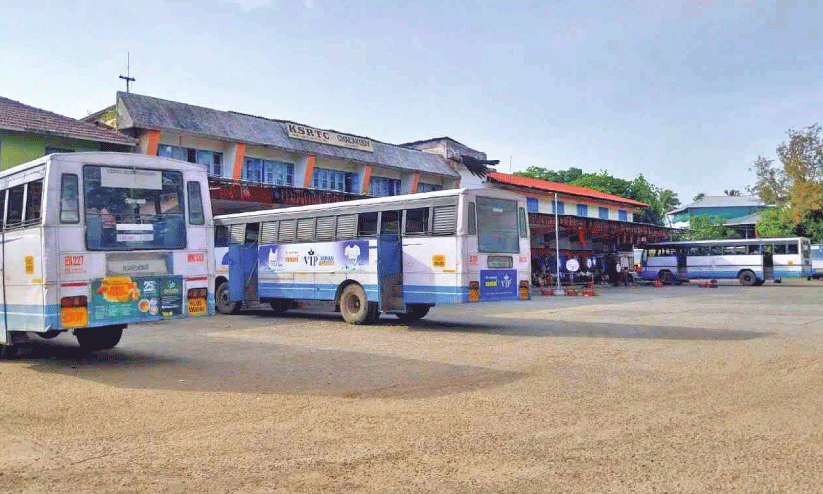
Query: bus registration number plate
{"points": [[196, 306]]}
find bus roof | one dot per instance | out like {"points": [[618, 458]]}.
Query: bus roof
{"points": [[107, 158], [378, 203], [726, 241]]}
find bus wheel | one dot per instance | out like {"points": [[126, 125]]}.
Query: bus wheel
{"points": [[281, 305], [354, 305], [747, 278], [223, 303], [414, 312], [102, 338]]}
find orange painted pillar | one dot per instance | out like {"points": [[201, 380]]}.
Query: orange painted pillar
{"points": [[153, 142], [307, 180], [366, 179], [415, 183], [239, 154]]}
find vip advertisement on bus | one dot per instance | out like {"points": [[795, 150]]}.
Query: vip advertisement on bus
{"points": [[350, 255], [122, 298], [498, 284]]}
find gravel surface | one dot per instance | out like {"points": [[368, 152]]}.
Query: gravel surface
{"points": [[678, 389]]}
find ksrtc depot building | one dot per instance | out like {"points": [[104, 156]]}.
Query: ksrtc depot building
{"points": [[259, 163]]}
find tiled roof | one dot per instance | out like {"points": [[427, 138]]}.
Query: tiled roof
{"points": [[145, 112], [545, 185], [722, 202], [24, 118]]}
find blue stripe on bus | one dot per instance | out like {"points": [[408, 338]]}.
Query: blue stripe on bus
{"points": [[412, 294]]}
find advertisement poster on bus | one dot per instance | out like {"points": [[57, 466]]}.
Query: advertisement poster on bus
{"points": [[350, 255], [123, 298], [498, 284]]}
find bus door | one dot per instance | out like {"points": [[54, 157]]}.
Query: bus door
{"points": [[768, 261], [390, 262], [681, 254], [243, 264]]}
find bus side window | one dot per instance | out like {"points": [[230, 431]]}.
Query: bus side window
{"points": [[522, 221], [14, 215], [324, 230], [417, 221], [305, 229], [346, 226], [367, 225], [2, 206], [286, 233], [740, 250], [390, 222], [69, 204], [768, 249], [34, 203], [728, 250], [237, 233], [252, 233], [716, 250], [472, 219], [444, 220], [792, 248], [221, 236], [268, 233], [779, 248], [196, 215], [753, 249], [694, 251]]}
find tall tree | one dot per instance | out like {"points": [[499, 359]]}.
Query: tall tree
{"points": [[560, 176], [699, 197]]}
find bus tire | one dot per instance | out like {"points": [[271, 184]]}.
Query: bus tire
{"points": [[281, 305], [100, 338], [223, 303], [354, 306], [747, 278], [414, 312], [760, 282], [667, 277], [7, 351]]}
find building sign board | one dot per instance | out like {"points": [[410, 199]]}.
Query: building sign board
{"points": [[296, 131]]}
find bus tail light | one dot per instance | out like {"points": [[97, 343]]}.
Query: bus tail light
{"points": [[474, 291], [74, 311], [525, 292]]}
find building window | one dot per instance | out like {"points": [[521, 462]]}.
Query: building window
{"points": [[341, 181], [278, 173], [561, 208], [582, 210], [252, 170], [51, 150], [382, 187], [603, 213], [622, 215], [212, 161], [421, 187], [532, 204]]}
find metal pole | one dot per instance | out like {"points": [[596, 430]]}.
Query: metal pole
{"points": [[557, 243]]}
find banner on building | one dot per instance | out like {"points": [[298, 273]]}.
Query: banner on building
{"points": [[327, 137]]}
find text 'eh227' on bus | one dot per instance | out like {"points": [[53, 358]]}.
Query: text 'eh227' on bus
{"points": [[751, 261], [94, 241], [400, 255]]}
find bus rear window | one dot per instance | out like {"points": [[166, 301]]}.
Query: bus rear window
{"points": [[133, 209], [498, 225]]}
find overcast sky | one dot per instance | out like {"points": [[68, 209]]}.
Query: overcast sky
{"points": [[686, 93]]}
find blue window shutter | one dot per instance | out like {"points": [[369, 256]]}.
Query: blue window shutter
{"points": [[582, 210], [532, 204], [622, 215], [561, 207], [604, 213]]}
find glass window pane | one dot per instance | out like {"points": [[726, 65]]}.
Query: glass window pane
{"points": [[367, 224], [196, 215], [792, 248], [417, 220], [472, 219], [34, 201], [14, 215], [69, 194], [498, 225]]}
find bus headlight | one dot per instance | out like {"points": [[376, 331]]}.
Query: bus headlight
{"points": [[474, 291], [74, 311], [525, 293]]}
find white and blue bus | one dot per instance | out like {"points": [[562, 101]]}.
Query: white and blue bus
{"points": [[752, 261], [400, 255], [94, 241]]}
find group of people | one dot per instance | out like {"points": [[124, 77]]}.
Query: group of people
{"points": [[601, 269]]}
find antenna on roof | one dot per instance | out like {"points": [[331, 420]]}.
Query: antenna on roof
{"points": [[128, 78]]}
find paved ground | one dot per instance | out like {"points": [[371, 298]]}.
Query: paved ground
{"points": [[677, 389]]}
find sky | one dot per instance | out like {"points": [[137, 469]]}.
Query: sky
{"points": [[686, 93]]}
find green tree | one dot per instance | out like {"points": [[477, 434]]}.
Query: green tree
{"points": [[708, 228], [699, 197], [561, 176], [773, 224], [732, 192], [605, 183]]}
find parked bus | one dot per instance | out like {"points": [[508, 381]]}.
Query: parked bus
{"points": [[817, 261], [400, 255], [751, 261], [94, 241]]}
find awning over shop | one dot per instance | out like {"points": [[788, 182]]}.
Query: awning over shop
{"points": [[230, 196], [621, 232]]}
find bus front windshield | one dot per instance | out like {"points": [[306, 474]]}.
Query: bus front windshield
{"points": [[497, 226], [133, 209]]}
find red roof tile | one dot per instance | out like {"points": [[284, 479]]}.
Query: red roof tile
{"points": [[24, 118], [545, 185]]}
